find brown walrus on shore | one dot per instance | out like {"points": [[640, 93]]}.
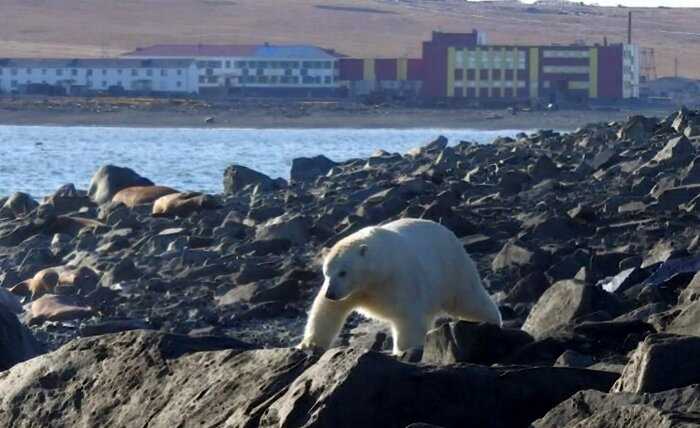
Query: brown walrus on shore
{"points": [[141, 195], [183, 204], [46, 280]]}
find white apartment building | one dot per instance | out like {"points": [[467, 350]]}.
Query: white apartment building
{"points": [[276, 68], [175, 76]]}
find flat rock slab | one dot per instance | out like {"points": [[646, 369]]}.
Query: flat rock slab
{"points": [[152, 379]]}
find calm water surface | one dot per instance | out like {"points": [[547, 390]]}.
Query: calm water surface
{"points": [[39, 159]]}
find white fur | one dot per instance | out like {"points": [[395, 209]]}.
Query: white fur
{"points": [[406, 273]]}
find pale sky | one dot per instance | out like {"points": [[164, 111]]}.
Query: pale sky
{"points": [[640, 3]]}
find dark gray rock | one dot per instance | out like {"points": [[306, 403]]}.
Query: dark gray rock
{"points": [[465, 342], [661, 362], [564, 302], [110, 179], [239, 177], [17, 343], [308, 169]]}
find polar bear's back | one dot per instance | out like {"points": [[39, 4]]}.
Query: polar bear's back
{"points": [[432, 246]]}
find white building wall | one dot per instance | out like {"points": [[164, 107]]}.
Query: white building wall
{"points": [[213, 71], [176, 80], [631, 61]]}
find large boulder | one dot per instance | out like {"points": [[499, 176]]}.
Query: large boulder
{"points": [[239, 177], [16, 342], [675, 408], [308, 169], [110, 179], [142, 378], [564, 302], [465, 342], [661, 362], [17, 205]]}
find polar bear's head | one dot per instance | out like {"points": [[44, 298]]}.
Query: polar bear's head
{"points": [[345, 270]]}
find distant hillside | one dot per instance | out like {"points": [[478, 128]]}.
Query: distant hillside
{"points": [[71, 28]]}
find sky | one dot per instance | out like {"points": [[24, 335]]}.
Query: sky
{"points": [[640, 3]]}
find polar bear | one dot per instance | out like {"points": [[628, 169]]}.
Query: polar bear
{"points": [[405, 272]]}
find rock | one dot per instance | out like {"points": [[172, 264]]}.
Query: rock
{"points": [[16, 342], [52, 307], [528, 289], [348, 388], [515, 254], [661, 362], [562, 303], [275, 387], [671, 198], [18, 205], [10, 302], [110, 179], [286, 291], [678, 152], [141, 195], [465, 342], [676, 408], [687, 321], [543, 168], [239, 177], [512, 182], [183, 204], [308, 169], [295, 229]]}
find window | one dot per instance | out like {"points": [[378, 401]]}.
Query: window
{"points": [[59, 72], [565, 69], [104, 83], [459, 74], [179, 84], [14, 83], [163, 72], [13, 72], [179, 72], [29, 71], [104, 71], [134, 72], [149, 72], [89, 72], [119, 72], [327, 80], [43, 72], [74, 72], [201, 79], [228, 64]]}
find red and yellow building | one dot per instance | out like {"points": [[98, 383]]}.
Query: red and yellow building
{"points": [[461, 65]]}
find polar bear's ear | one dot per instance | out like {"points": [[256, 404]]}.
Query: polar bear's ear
{"points": [[363, 250]]}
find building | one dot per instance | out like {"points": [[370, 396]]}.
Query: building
{"points": [[553, 73], [256, 69], [398, 76], [464, 66], [88, 76]]}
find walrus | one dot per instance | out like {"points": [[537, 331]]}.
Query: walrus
{"points": [[141, 195], [46, 280], [183, 204]]}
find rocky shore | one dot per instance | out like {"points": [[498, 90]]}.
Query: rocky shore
{"points": [[135, 304], [280, 113]]}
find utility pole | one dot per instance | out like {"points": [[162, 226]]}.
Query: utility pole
{"points": [[629, 28], [675, 66]]}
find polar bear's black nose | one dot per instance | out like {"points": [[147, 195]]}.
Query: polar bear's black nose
{"points": [[330, 295]]}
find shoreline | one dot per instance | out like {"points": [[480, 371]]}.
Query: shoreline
{"points": [[282, 114]]}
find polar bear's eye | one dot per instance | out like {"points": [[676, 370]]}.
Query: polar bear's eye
{"points": [[342, 274]]}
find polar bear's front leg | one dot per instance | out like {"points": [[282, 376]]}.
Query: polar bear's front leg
{"points": [[326, 318], [408, 332]]}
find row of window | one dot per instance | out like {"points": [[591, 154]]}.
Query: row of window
{"points": [[496, 74], [89, 84], [491, 84], [88, 72], [486, 93], [305, 80], [566, 69], [266, 64], [566, 54]]}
